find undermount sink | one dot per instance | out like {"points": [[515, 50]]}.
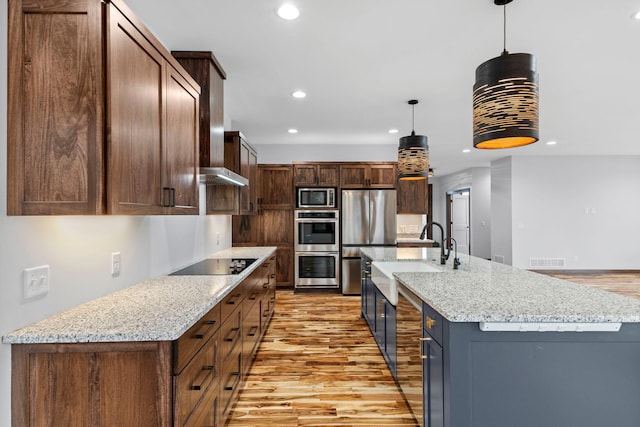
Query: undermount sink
{"points": [[382, 275]]}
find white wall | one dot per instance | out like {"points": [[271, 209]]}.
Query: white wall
{"points": [[583, 209], [501, 210], [287, 153], [479, 181], [78, 250]]}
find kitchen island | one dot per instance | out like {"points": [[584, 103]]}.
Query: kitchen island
{"points": [[500, 346], [172, 350]]}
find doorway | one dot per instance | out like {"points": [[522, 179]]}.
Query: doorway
{"points": [[459, 219]]}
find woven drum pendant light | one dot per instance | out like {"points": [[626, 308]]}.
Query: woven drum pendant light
{"points": [[505, 99], [413, 153]]}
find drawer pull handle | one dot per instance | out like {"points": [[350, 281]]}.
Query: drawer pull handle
{"points": [[202, 331], [430, 322], [265, 313], [425, 339], [273, 276], [202, 377], [252, 331], [253, 296], [232, 335], [234, 377], [233, 299], [265, 285]]}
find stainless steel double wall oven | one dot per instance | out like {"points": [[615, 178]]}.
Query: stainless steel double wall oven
{"points": [[317, 247]]}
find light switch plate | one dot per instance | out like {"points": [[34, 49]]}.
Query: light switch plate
{"points": [[115, 263], [35, 281]]}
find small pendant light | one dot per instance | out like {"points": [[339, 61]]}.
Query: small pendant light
{"points": [[413, 153], [505, 99]]}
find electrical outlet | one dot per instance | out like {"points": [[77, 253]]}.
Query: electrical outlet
{"points": [[36, 281], [217, 238], [115, 263]]}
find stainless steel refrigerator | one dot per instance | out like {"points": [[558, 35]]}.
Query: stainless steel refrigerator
{"points": [[368, 218]]}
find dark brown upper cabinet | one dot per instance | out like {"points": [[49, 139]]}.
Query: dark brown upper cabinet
{"points": [[276, 186], [316, 175], [368, 175], [242, 158], [209, 74], [101, 118], [413, 196]]}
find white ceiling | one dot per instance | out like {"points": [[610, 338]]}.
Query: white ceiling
{"points": [[360, 61]]}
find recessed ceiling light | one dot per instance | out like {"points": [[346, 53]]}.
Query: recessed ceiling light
{"points": [[637, 15], [466, 150], [298, 94], [393, 130], [288, 12], [552, 143], [293, 131]]}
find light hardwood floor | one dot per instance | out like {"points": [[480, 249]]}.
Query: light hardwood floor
{"points": [[319, 364], [621, 283]]}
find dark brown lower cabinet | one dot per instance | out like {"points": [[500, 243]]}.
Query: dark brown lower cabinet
{"points": [[192, 381], [96, 384]]}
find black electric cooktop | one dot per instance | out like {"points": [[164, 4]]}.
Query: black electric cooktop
{"points": [[215, 267]]}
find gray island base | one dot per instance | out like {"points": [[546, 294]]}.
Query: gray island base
{"points": [[520, 378], [533, 379]]}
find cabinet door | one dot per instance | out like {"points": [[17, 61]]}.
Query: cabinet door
{"points": [[328, 175], [433, 388], [380, 314], [136, 76], [370, 314], [277, 226], [284, 266], [181, 145], [248, 169], [55, 108], [276, 189], [354, 176], [382, 176], [246, 229], [305, 175], [413, 196], [253, 181], [245, 170], [390, 337]]}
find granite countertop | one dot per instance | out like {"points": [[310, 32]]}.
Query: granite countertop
{"points": [[158, 309], [485, 291]]}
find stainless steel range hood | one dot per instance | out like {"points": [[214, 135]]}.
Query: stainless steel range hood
{"points": [[221, 176]]}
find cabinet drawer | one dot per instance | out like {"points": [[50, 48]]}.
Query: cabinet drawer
{"points": [[251, 333], [230, 334], [196, 378], [191, 341], [432, 322], [253, 292], [206, 413], [230, 381], [231, 302]]}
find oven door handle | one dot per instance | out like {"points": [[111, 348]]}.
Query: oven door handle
{"points": [[320, 253]]}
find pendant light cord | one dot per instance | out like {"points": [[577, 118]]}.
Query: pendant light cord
{"points": [[504, 29], [413, 119]]}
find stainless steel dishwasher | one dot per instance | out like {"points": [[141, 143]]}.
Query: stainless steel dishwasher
{"points": [[409, 344]]}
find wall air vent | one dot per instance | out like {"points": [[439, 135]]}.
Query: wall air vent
{"points": [[498, 258], [546, 262]]}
